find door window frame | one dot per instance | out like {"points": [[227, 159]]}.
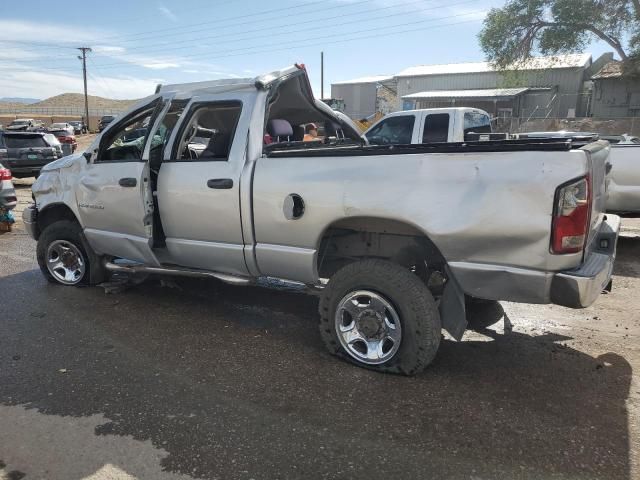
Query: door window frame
{"points": [[157, 104], [176, 136]]}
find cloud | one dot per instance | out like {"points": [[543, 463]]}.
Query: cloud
{"points": [[167, 13], [41, 32], [108, 49], [17, 81]]}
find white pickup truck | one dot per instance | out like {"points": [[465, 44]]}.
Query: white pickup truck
{"points": [[221, 183], [430, 125]]}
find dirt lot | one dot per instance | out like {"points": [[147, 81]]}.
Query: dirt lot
{"points": [[204, 380]]}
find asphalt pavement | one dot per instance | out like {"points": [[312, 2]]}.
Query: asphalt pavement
{"points": [[197, 379]]}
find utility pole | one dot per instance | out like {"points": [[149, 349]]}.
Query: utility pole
{"points": [[321, 75], [84, 51]]}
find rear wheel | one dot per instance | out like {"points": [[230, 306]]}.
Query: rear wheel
{"points": [[381, 316], [62, 255]]}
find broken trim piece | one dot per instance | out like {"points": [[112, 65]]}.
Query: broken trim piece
{"points": [[177, 272]]}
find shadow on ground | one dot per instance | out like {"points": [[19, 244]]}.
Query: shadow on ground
{"points": [[234, 382]]}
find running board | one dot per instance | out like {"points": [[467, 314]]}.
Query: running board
{"points": [[176, 272]]}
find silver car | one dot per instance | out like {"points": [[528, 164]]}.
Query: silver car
{"points": [[8, 199]]}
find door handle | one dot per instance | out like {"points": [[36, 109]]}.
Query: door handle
{"points": [[127, 182], [220, 183]]}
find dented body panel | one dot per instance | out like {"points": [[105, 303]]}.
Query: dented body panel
{"points": [[488, 214]]}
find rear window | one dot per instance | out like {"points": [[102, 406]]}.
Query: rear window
{"points": [[24, 142], [436, 128], [476, 122]]}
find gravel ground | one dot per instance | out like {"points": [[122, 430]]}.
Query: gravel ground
{"points": [[205, 380]]}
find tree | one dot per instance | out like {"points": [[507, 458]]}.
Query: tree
{"points": [[512, 33]]}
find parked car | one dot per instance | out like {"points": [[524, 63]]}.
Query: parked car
{"points": [[61, 126], [8, 199], [24, 125], [430, 125], [25, 153], [396, 239], [67, 141], [79, 127], [104, 121], [624, 139]]}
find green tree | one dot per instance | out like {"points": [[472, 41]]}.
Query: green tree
{"points": [[512, 33]]}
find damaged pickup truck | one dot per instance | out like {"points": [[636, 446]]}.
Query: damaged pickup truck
{"points": [[219, 179]]}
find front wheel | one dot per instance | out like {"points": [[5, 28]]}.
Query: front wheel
{"points": [[61, 254], [379, 315]]}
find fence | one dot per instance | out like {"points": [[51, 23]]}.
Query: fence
{"points": [[605, 126]]}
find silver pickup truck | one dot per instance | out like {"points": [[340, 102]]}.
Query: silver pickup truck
{"points": [[241, 179]]}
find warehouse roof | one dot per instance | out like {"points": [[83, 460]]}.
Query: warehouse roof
{"points": [[371, 79], [534, 63], [483, 93], [610, 70]]}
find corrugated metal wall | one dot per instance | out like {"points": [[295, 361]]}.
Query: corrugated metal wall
{"points": [[568, 81], [615, 98], [359, 98]]}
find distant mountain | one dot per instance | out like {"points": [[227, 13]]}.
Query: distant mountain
{"points": [[71, 100], [19, 100]]}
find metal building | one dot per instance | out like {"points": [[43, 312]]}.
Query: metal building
{"points": [[360, 95], [541, 87], [615, 96]]}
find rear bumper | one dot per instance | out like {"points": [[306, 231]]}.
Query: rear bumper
{"points": [[29, 218], [575, 288], [580, 287]]}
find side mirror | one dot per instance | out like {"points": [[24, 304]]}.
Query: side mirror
{"points": [[87, 155]]}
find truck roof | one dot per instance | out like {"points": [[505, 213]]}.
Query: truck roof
{"points": [[231, 84]]}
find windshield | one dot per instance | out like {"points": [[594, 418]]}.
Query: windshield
{"points": [[19, 122], [25, 141]]}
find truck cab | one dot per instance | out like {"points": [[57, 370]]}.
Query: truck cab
{"points": [[431, 125]]}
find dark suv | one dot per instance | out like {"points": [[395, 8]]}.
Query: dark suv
{"points": [[104, 121], [25, 153]]}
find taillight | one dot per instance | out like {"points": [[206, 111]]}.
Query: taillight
{"points": [[5, 174], [571, 216]]}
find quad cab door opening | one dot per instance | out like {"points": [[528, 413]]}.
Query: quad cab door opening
{"points": [[114, 195], [198, 189]]}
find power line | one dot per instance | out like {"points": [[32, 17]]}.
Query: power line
{"points": [[228, 38], [247, 50], [274, 27]]}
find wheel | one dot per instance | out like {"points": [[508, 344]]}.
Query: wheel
{"points": [[481, 314], [378, 315], [63, 256]]}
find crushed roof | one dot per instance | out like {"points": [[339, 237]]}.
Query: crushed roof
{"points": [[480, 93], [370, 79], [610, 70], [577, 60]]}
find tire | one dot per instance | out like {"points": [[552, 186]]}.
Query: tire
{"points": [[410, 304], [481, 314], [65, 240]]}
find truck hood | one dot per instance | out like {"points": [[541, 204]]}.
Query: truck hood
{"points": [[64, 162]]}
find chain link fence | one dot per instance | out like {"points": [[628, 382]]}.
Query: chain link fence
{"points": [[605, 126]]}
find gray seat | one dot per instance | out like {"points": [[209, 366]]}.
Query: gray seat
{"points": [[280, 130]]}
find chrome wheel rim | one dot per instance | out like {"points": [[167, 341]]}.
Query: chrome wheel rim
{"points": [[368, 327], [65, 262]]}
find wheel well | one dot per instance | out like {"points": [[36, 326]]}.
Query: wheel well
{"points": [[352, 239], [53, 213]]}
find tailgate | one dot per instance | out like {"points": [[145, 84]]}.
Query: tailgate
{"points": [[598, 156], [30, 157]]}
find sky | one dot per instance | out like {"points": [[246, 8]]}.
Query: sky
{"points": [[138, 44]]}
